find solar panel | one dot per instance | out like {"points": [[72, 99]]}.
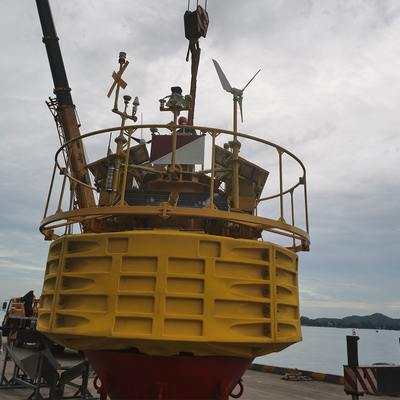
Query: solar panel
{"points": [[201, 200], [144, 197]]}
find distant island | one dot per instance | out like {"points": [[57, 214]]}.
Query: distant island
{"points": [[374, 321]]}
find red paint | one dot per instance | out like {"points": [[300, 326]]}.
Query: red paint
{"points": [[139, 376], [162, 144]]}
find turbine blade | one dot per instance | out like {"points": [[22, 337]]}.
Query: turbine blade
{"points": [[240, 101], [224, 82], [251, 79]]}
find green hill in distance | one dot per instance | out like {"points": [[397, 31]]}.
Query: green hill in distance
{"points": [[374, 321]]}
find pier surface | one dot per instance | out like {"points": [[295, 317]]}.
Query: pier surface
{"points": [[257, 385]]}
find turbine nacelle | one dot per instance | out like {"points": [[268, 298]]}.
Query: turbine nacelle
{"points": [[237, 92]]}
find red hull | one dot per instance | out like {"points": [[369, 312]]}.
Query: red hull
{"points": [[137, 376]]}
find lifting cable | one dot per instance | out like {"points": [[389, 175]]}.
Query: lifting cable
{"points": [[205, 5]]}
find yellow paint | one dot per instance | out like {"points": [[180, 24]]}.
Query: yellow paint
{"points": [[165, 292], [318, 376]]}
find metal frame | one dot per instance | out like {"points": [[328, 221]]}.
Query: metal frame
{"points": [[40, 370], [61, 218]]}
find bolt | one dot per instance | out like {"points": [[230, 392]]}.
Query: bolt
{"points": [[265, 256], [70, 248], [64, 283], [267, 331], [59, 321], [266, 292], [265, 273], [67, 266], [61, 302]]}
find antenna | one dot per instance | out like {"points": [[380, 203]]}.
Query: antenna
{"points": [[141, 123], [237, 93]]}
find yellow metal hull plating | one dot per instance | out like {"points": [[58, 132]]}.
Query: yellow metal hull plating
{"points": [[166, 292]]}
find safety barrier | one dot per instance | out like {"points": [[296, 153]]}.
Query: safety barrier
{"points": [[287, 177]]}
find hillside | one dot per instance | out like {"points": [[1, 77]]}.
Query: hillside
{"points": [[374, 321]]}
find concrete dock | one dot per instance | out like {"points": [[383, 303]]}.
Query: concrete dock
{"points": [[257, 385]]}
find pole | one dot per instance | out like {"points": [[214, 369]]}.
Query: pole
{"points": [[212, 171], [352, 356], [352, 351], [280, 152], [193, 84], [172, 168], [235, 159]]}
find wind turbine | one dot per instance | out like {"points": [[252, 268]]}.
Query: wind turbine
{"points": [[237, 93]]}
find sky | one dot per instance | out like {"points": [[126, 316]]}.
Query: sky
{"points": [[328, 91]]}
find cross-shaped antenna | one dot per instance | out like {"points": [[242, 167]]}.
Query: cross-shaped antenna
{"points": [[118, 75]]}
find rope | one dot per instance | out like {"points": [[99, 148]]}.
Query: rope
{"points": [[296, 377]]}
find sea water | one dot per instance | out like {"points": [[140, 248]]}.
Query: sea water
{"points": [[324, 350]]}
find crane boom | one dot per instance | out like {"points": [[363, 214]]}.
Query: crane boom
{"points": [[66, 108]]}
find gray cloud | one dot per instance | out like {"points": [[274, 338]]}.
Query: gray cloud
{"points": [[328, 91]]}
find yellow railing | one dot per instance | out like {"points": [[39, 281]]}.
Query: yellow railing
{"points": [[277, 225]]}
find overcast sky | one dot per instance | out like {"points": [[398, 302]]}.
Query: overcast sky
{"points": [[328, 91]]}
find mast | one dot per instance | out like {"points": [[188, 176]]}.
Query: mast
{"points": [[66, 108], [193, 84]]}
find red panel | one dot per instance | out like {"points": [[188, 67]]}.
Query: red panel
{"points": [[162, 144], [137, 376]]}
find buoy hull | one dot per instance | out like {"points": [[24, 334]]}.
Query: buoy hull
{"points": [[125, 375]]}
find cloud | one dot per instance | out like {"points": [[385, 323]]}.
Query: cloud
{"points": [[394, 306], [366, 307], [328, 91]]}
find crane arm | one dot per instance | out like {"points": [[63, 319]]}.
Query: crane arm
{"points": [[66, 108]]}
